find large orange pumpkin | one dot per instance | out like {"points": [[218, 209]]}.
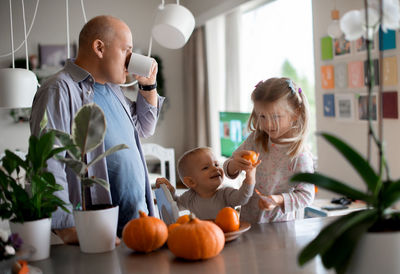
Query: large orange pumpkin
{"points": [[196, 240], [145, 233]]}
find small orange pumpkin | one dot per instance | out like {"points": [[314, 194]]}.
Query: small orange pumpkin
{"points": [[228, 219], [196, 240], [172, 226], [183, 219], [145, 233], [251, 157]]}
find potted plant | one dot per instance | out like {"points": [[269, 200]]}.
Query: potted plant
{"points": [[366, 241], [27, 190], [96, 226]]}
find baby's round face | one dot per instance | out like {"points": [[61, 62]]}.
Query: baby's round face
{"points": [[206, 171]]}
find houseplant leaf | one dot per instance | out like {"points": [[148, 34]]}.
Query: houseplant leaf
{"points": [[331, 184], [67, 141], [87, 182], [346, 243], [390, 194], [108, 152], [330, 233], [356, 160], [88, 128], [12, 161], [78, 167]]}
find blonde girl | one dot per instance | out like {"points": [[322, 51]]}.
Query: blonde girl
{"points": [[279, 126]]}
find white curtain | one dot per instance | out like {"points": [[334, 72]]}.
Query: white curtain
{"points": [[223, 69]]}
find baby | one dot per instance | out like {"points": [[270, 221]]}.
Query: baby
{"points": [[200, 171]]}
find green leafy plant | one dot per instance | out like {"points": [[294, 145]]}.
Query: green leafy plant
{"points": [[35, 200], [88, 132], [336, 242]]}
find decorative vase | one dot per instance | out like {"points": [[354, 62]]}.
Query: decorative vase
{"points": [[35, 234], [377, 252], [97, 229]]}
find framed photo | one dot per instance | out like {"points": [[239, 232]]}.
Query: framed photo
{"points": [[355, 72], [389, 71], [54, 56], [341, 75], [390, 105], [329, 105], [341, 46], [362, 102], [344, 104], [361, 45]]}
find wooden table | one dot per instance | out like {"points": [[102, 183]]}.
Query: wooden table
{"points": [[265, 248]]}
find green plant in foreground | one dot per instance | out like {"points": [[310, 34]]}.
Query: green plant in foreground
{"points": [[88, 132], [337, 241], [35, 200]]}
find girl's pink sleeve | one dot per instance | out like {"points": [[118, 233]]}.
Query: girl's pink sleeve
{"points": [[302, 194]]}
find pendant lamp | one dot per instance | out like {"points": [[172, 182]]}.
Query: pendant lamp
{"points": [[17, 86], [173, 25]]}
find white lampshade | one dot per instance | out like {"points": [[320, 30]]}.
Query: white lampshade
{"points": [[334, 29], [173, 26], [17, 88]]}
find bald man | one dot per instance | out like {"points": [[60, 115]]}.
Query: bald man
{"points": [[105, 47]]}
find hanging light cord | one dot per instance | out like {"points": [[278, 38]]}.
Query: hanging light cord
{"points": [[26, 44], [83, 11], [12, 37], [67, 17], [27, 35]]}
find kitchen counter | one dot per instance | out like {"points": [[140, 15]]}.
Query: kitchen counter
{"points": [[265, 248]]}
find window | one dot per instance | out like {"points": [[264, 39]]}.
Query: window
{"points": [[248, 45], [277, 41]]}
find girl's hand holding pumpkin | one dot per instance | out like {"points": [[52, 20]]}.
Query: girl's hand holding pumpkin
{"points": [[164, 181], [269, 202], [241, 160]]}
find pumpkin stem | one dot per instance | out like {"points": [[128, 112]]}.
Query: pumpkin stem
{"points": [[193, 219], [192, 216], [142, 214]]}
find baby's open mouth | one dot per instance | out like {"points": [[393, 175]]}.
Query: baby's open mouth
{"points": [[216, 176]]}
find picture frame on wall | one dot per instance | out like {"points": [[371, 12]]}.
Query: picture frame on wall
{"points": [[360, 45], [344, 105], [341, 46], [329, 105], [362, 107], [55, 56]]}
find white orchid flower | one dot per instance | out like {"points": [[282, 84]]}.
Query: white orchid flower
{"points": [[9, 250], [391, 15], [352, 25], [3, 235]]}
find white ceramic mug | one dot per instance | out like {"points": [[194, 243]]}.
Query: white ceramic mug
{"points": [[140, 64], [173, 26]]}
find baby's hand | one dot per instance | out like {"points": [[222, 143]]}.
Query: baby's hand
{"points": [[238, 161], [251, 173], [160, 181]]}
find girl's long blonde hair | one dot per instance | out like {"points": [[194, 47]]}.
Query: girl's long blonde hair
{"points": [[274, 90]]}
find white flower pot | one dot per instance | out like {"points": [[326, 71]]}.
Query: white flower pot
{"points": [[36, 234], [97, 229], [377, 252]]}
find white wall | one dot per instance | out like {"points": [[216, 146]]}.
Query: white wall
{"points": [[330, 162], [50, 28]]}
